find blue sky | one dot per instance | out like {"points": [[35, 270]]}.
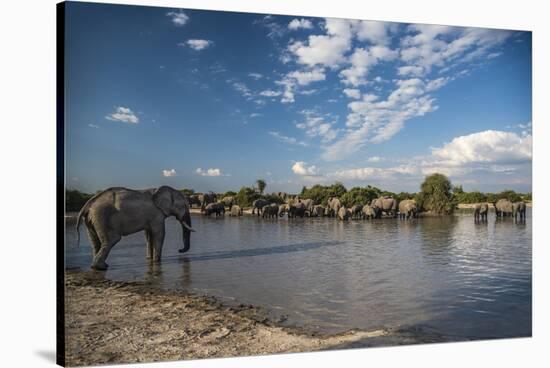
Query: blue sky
{"points": [[215, 100]]}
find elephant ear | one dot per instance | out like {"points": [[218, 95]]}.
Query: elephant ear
{"points": [[163, 199]]}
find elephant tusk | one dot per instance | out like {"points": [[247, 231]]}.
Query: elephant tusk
{"points": [[184, 224]]}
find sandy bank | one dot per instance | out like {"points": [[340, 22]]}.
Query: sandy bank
{"points": [[115, 322]]}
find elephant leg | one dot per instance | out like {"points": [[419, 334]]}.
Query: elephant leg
{"points": [[157, 237], [149, 244], [94, 240], [106, 246]]}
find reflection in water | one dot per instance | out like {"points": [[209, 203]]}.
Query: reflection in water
{"points": [[459, 277]]}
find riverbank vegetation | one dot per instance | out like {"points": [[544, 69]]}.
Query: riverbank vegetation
{"points": [[437, 194]]}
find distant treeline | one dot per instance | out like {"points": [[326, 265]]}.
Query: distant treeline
{"points": [[436, 194]]}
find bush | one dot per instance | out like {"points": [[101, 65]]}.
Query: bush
{"points": [[404, 195], [320, 194], [187, 192], [359, 195], [435, 195], [75, 199], [469, 197], [246, 196], [510, 195]]}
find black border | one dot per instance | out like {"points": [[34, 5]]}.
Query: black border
{"points": [[60, 185]]}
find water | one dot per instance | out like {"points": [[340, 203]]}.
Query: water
{"points": [[462, 279]]}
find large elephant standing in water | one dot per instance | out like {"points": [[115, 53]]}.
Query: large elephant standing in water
{"points": [[480, 212], [207, 198], [408, 209], [519, 208], [503, 208], [258, 204], [333, 206], [117, 212], [385, 204]]}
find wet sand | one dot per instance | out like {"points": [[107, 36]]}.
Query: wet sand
{"points": [[111, 322]]}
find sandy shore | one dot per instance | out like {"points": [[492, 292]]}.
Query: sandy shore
{"points": [[116, 322]]}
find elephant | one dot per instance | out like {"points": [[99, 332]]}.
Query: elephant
{"points": [[408, 209], [519, 208], [236, 210], [296, 209], [270, 210], [356, 211], [309, 205], [480, 212], [283, 209], [369, 212], [334, 205], [344, 214], [228, 201], [207, 198], [218, 208], [194, 200], [503, 208], [258, 204], [385, 204], [116, 212], [318, 211]]}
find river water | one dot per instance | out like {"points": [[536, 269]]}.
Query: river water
{"points": [[461, 279]]}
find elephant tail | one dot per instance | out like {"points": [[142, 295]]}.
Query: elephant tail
{"points": [[83, 213]]}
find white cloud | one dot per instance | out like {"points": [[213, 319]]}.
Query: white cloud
{"points": [[255, 115], [410, 70], [242, 88], [374, 159], [288, 140], [169, 172], [93, 126], [123, 114], [255, 76], [490, 146], [317, 125], [178, 18], [325, 50], [363, 59], [301, 168], [306, 77], [197, 44], [375, 32], [352, 93], [300, 23], [270, 93], [208, 172]]}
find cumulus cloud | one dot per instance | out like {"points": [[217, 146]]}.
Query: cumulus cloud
{"points": [[300, 23], [169, 173], [123, 114], [288, 140], [489, 146], [197, 44], [178, 18], [301, 168], [325, 50], [93, 126], [209, 172], [306, 77], [374, 159], [361, 60], [293, 80]]}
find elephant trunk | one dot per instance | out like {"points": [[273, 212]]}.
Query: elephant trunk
{"points": [[186, 229]]}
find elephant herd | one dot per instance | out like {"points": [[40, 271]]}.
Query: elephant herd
{"points": [[503, 208], [297, 207]]}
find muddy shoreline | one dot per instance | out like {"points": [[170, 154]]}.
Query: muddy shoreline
{"points": [[111, 322]]}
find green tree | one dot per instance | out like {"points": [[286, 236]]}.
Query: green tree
{"points": [[510, 195], [187, 192], [261, 184], [435, 194], [75, 199], [359, 195], [246, 196]]}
